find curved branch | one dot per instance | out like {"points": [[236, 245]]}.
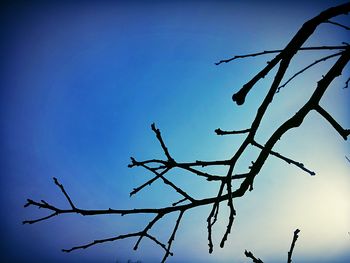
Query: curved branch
{"points": [[307, 67]]}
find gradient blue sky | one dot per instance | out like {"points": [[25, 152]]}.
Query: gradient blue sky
{"points": [[82, 82]]}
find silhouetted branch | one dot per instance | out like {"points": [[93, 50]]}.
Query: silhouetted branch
{"points": [[172, 237], [231, 216], [288, 160], [265, 52], [343, 132], [149, 182], [100, 241], [147, 228], [338, 24], [221, 132], [346, 83], [166, 181], [295, 237], [64, 192], [307, 67], [160, 139], [212, 218], [40, 219], [179, 202], [249, 254], [289, 51]]}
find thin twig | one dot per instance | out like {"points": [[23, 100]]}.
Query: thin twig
{"points": [[100, 241], [212, 218], [166, 181], [64, 192], [342, 132], [149, 182], [338, 24], [288, 160], [307, 67], [160, 139], [265, 52], [172, 237], [295, 237], [40, 219], [147, 228], [179, 202], [346, 83], [249, 254], [221, 132]]}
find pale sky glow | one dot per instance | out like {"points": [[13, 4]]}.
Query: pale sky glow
{"points": [[80, 85]]}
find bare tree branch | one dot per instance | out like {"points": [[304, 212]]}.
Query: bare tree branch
{"points": [[346, 83], [249, 254], [347, 158], [295, 237], [343, 132], [338, 24], [100, 241], [221, 132], [307, 67], [288, 160], [172, 237], [265, 52], [159, 137], [290, 50], [149, 182]]}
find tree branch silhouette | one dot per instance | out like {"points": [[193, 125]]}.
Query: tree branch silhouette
{"points": [[338, 24], [265, 52], [226, 193], [347, 83], [250, 255], [295, 237], [306, 68]]}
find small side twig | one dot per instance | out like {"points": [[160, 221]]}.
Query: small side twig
{"points": [[212, 218], [172, 237], [288, 160], [342, 132], [346, 83], [100, 241], [147, 228], [265, 52], [160, 139], [306, 68], [232, 213], [221, 132], [249, 254], [338, 24]]}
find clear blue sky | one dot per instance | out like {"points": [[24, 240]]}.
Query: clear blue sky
{"points": [[82, 82]]}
